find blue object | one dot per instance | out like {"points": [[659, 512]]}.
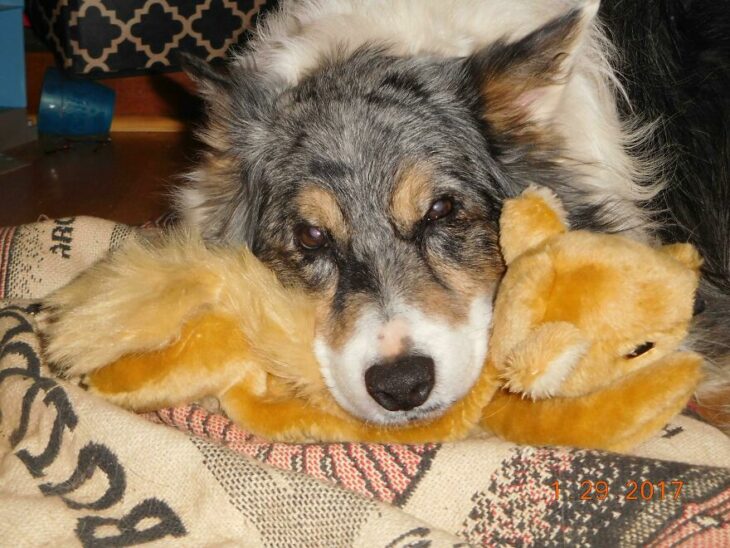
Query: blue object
{"points": [[74, 107], [12, 55]]}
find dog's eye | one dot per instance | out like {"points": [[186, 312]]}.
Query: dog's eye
{"points": [[310, 237], [639, 350], [439, 209]]}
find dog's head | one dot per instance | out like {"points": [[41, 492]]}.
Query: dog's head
{"points": [[376, 183]]}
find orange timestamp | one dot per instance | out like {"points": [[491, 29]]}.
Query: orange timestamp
{"points": [[632, 490]]}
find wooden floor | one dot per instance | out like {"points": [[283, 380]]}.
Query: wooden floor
{"points": [[125, 180]]}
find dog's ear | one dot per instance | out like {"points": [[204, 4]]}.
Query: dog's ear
{"points": [[522, 83], [224, 196], [235, 91], [208, 80]]}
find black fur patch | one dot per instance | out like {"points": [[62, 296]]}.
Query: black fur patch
{"points": [[676, 68]]}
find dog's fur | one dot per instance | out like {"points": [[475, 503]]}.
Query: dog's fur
{"points": [[357, 116]]}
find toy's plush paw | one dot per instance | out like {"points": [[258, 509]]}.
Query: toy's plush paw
{"points": [[207, 358], [539, 365], [135, 300], [615, 418]]}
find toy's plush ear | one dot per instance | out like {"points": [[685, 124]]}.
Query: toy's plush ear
{"points": [[529, 220], [685, 254]]}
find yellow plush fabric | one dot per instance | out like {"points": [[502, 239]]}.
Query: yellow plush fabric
{"points": [[617, 417]]}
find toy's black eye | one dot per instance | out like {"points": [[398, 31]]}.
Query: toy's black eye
{"points": [[639, 350], [310, 237], [439, 209]]}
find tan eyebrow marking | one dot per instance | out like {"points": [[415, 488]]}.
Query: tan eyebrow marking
{"points": [[319, 207], [413, 194]]}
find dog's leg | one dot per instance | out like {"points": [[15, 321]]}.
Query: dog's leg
{"points": [[614, 418]]}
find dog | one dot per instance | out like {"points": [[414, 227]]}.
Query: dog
{"points": [[362, 149]]}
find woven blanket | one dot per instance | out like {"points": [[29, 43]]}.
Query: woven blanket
{"points": [[75, 470]]}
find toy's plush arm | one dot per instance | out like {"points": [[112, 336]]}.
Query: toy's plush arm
{"points": [[520, 307], [135, 300], [538, 366], [210, 355], [278, 416], [615, 418], [526, 223]]}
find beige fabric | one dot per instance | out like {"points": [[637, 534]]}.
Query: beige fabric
{"points": [[75, 470], [37, 258]]}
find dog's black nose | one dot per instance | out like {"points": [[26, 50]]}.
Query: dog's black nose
{"points": [[401, 385]]}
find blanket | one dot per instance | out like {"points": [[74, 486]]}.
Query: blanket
{"points": [[76, 470]]}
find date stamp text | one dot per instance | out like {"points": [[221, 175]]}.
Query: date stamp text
{"points": [[632, 490]]}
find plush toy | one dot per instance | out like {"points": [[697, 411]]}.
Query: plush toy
{"points": [[585, 338], [586, 331]]}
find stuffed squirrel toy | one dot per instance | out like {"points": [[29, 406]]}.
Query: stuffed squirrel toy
{"points": [[583, 351], [586, 331]]}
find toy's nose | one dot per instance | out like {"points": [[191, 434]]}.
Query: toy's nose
{"points": [[402, 384]]}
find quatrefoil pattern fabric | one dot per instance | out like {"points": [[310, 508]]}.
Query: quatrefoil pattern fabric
{"points": [[92, 37]]}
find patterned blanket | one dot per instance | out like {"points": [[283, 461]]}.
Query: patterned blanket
{"points": [[75, 470]]}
